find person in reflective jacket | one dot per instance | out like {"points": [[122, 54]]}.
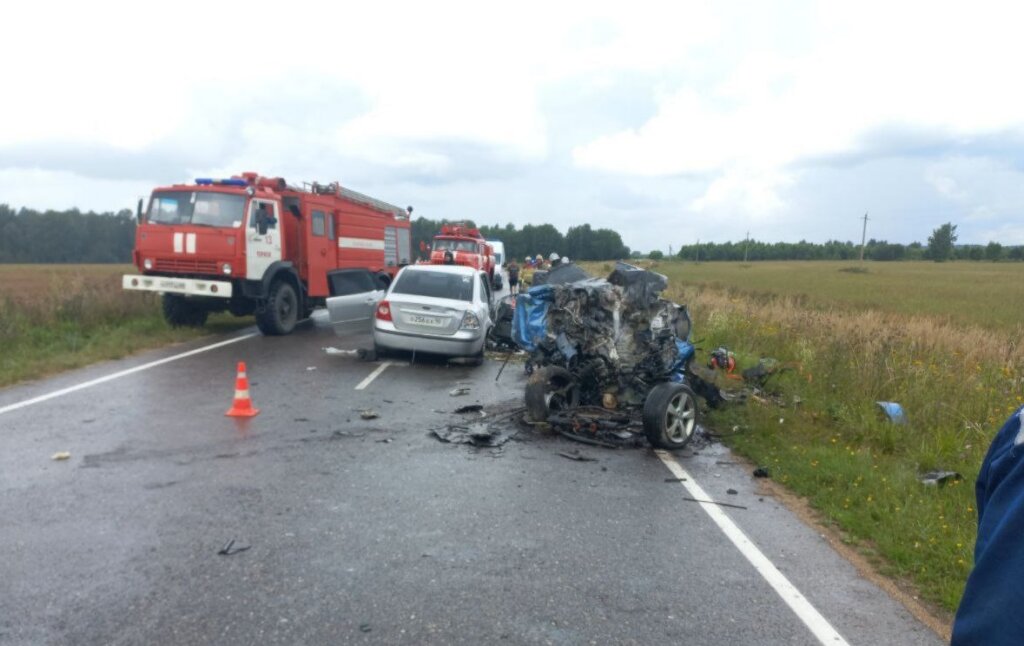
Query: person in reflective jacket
{"points": [[990, 611]]}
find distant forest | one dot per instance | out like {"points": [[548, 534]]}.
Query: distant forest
{"points": [[878, 250], [29, 236], [65, 236]]}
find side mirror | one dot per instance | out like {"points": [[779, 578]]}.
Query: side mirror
{"points": [[138, 211]]}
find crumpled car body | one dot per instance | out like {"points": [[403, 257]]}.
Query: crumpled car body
{"points": [[608, 342]]}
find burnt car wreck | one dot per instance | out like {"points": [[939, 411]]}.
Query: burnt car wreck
{"points": [[609, 355]]}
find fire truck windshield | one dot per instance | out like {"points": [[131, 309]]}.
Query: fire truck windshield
{"points": [[448, 244], [200, 208]]}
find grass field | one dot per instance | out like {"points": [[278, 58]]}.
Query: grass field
{"points": [[943, 340], [57, 317], [967, 293]]}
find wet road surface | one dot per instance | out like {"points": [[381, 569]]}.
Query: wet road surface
{"points": [[373, 531]]}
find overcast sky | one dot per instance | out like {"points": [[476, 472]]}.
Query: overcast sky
{"points": [[668, 122]]}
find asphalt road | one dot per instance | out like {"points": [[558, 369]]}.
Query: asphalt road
{"points": [[373, 531]]}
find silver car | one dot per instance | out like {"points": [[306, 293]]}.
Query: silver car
{"points": [[437, 309]]}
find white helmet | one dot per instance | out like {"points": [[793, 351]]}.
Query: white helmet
{"points": [[565, 260], [553, 257]]}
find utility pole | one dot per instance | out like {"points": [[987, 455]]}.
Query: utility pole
{"points": [[746, 242], [863, 236], [670, 251]]}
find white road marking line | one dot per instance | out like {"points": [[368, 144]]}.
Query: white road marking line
{"points": [[813, 619], [123, 373], [373, 375]]}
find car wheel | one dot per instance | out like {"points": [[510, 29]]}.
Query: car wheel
{"points": [[281, 311], [548, 390], [478, 358], [670, 416]]}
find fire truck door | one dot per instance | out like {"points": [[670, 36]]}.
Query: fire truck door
{"points": [[262, 238], [321, 250]]}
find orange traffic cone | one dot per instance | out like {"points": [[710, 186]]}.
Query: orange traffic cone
{"points": [[242, 406]]}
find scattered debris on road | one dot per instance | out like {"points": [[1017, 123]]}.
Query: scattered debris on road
{"points": [[470, 408], [715, 502], [336, 351], [368, 413], [577, 456], [231, 548], [61, 455], [460, 391], [762, 472], [731, 492], [480, 435], [675, 479]]}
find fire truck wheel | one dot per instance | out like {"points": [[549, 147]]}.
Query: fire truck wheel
{"points": [[550, 389], [670, 416], [281, 310], [179, 312]]}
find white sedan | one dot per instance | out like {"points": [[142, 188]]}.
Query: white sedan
{"points": [[437, 309]]}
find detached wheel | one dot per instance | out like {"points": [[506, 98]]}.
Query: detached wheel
{"points": [[670, 416], [179, 312], [550, 389], [281, 311]]}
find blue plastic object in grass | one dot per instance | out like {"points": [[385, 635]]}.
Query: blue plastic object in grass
{"points": [[893, 411]]}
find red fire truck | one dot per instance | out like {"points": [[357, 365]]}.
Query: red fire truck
{"points": [[467, 247], [256, 245]]}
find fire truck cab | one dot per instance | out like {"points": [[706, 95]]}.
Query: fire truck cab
{"points": [[256, 245], [466, 246]]}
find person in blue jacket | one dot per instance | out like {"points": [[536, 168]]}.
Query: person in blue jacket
{"points": [[992, 609]]}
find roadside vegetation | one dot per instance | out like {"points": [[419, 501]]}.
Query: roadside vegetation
{"points": [[58, 317], [944, 341]]}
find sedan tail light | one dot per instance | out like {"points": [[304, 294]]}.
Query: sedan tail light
{"points": [[384, 311], [470, 321]]}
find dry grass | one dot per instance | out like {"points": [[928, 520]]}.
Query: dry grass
{"points": [[56, 317]]}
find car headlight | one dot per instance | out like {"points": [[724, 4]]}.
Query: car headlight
{"points": [[470, 321], [226, 268], [147, 263]]}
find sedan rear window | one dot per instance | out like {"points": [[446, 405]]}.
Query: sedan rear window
{"points": [[435, 284]]}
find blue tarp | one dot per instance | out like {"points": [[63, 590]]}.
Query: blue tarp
{"points": [[528, 322]]}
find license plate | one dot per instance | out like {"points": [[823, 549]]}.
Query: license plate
{"points": [[431, 321]]}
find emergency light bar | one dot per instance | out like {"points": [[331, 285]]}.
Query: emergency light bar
{"points": [[206, 181]]}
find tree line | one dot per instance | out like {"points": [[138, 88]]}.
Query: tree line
{"points": [[579, 243], [941, 247], [28, 236]]}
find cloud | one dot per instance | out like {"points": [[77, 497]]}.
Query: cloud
{"points": [[687, 119]]}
